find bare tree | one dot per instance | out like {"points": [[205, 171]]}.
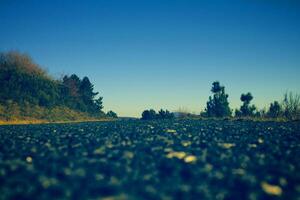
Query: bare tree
{"points": [[291, 106]]}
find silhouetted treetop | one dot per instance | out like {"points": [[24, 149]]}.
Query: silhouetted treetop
{"points": [[216, 88], [246, 97], [246, 110]]}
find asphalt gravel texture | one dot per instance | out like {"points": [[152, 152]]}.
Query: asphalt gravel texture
{"points": [[180, 159]]}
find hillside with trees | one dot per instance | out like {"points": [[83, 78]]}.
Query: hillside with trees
{"points": [[29, 92]]}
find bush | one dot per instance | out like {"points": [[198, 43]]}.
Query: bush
{"points": [[151, 114], [148, 114], [111, 114]]}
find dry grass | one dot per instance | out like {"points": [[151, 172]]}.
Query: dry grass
{"points": [[36, 121]]}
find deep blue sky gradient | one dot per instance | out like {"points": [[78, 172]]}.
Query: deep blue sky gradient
{"points": [[162, 54]]}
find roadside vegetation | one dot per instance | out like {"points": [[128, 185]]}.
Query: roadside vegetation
{"points": [[162, 114], [29, 93], [218, 107]]}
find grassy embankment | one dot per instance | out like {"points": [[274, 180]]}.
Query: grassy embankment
{"points": [[36, 115], [28, 94]]}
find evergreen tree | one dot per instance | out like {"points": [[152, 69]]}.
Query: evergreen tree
{"points": [[98, 105], [87, 89], [72, 84], [87, 94], [218, 106]]}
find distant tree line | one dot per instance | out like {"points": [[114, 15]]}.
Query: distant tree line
{"points": [[162, 114], [24, 83], [217, 106]]}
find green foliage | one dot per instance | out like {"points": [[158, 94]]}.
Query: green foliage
{"points": [[148, 114], [23, 83], [165, 114], [86, 89], [98, 104], [217, 106], [111, 114], [79, 94], [246, 109], [162, 114]]}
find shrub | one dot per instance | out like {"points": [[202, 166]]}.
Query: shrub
{"points": [[151, 114], [111, 114]]}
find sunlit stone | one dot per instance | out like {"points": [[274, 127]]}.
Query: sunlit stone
{"points": [[271, 189], [29, 159], [186, 143], [179, 154], [171, 131], [226, 145], [190, 159]]}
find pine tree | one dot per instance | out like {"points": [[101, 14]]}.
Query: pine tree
{"points": [[87, 94], [218, 105]]}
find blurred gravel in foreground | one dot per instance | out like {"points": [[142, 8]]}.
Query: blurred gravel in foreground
{"points": [[186, 159]]}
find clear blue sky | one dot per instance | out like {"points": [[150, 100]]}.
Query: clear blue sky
{"points": [[162, 54]]}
